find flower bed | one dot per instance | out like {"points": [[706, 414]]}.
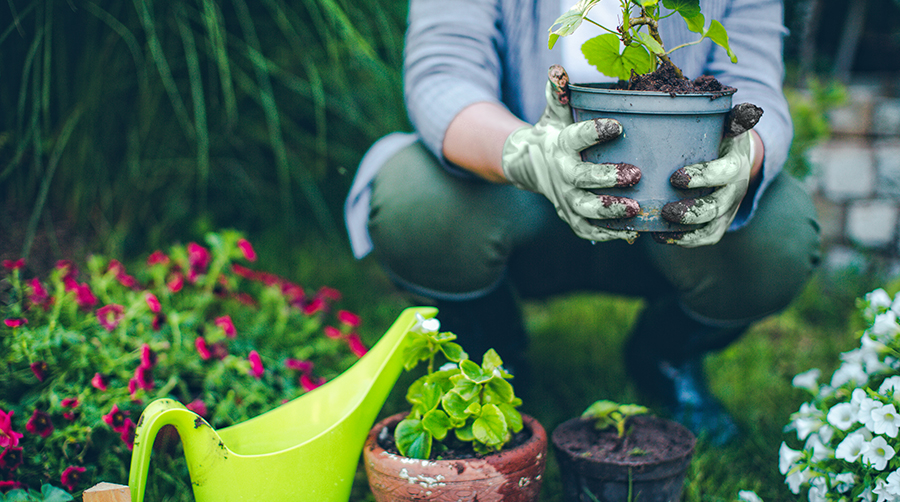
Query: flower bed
{"points": [[83, 352]]}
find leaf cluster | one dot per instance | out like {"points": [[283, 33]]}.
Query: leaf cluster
{"points": [[636, 45], [462, 402], [607, 414]]}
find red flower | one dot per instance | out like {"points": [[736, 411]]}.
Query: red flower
{"points": [[8, 437], [143, 376], [176, 282], [356, 345], [153, 303], [71, 477], [128, 433], [116, 418], [148, 357], [298, 365], [227, 326], [99, 381], [15, 264], [157, 258], [333, 333], [6, 486], [70, 402], [39, 424], [38, 295], [247, 249], [316, 305], [39, 369], [11, 459], [198, 257], [15, 322], [68, 269], [198, 407], [132, 387], [110, 316], [84, 297], [293, 293], [309, 383], [242, 271], [348, 318], [256, 366], [202, 348]]}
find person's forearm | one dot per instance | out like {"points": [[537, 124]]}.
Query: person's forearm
{"points": [[475, 139], [759, 154]]}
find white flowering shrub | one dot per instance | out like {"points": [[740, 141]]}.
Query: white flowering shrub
{"points": [[847, 442]]}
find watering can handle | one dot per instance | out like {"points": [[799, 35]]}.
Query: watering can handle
{"points": [[158, 414]]}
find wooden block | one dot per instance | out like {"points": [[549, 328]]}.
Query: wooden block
{"points": [[107, 492]]}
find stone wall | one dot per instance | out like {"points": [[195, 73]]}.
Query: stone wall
{"points": [[855, 178]]}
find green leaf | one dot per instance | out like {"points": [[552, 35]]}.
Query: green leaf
{"points": [[455, 405], [552, 41], [465, 433], [474, 408], [412, 439], [18, 496], [567, 23], [512, 416], [416, 392], [646, 3], [650, 43], [453, 352], [437, 423], [603, 53], [695, 23], [55, 494], [600, 409], [443, 379], [717, 34], [491, 361], [417, 349], [474, 372], [490, 428], [431, 395], [498, 391], [630, 410], [466, 388], [687, 8]]}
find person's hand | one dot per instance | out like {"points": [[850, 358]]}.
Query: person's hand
{"points": [[545, 158], [730, 175]]}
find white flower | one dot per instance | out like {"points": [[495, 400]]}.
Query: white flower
{"points": [[423, 325], [890, 386], [818, 491], [881, 489], [844, 482], [808, 420], [808, 380], [893, 483], [787, 458], [886, 420], [850, 371], [877, 453], [885, 326], [748, 496], [842, 416], [796, 479], [819, 449], [879, 299], [851, 447], [866, 495], [448, 366]]}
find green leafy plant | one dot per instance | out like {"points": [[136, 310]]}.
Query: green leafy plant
{"points": [[461, 402], [606, 414], [642, 47], [83, 352]]}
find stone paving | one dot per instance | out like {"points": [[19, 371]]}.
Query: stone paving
{"points": [[855, 179]]}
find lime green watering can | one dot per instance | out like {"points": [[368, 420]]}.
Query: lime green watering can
{"points": [[305, 450]]}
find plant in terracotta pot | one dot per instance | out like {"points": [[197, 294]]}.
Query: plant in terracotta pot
{"points": [[463, 438], [669, 121], [618, 452]]}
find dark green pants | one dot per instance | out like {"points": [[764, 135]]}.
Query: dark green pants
{"points": [[450, 238]]}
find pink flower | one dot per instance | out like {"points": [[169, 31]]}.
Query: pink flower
{"points": [[39, 424], [247, 249], [198, 407], [158, 321], [316, 305], [38, 295], [333, 333], [348, 318], [11, 459], [176, 282], [242, 271], [8, 437], [84, 297], [153, 303], [110, 315], [256, 366], [219, 350], [68, 269], [14, 264], [11, 485], [356, 345], [309, 383], [298, 365], [143, 375], [127, 435], [15, 322], [70, 402], [202, 348], [329, 293], [116, 418], [148, 357], [227, 326], [198, 257], [71, 477], [132, 387], [157, 258], [100, 382], [293, 293], [39, 369]]}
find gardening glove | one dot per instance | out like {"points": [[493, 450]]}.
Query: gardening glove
{"points": [[545, 158], [729, 175]]}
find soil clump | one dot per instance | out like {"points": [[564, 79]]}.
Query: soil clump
{"points": [[666, 79]]}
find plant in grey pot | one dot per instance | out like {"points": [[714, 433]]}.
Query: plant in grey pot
{"points": [[669, 121], [617, 452]]}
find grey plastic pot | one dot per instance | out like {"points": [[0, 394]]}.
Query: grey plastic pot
{"points": [[662, 133]]}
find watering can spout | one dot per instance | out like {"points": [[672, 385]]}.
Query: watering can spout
{"points": [[306, 449]]}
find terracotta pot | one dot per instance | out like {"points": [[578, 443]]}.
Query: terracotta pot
{"points": [[591, 474], [512, 475]]}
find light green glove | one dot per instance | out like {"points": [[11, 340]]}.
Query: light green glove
{"points": [[545, 158], [730, 173]]}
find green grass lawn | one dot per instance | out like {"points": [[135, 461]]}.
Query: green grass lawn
{"points": [[576, 344]]}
